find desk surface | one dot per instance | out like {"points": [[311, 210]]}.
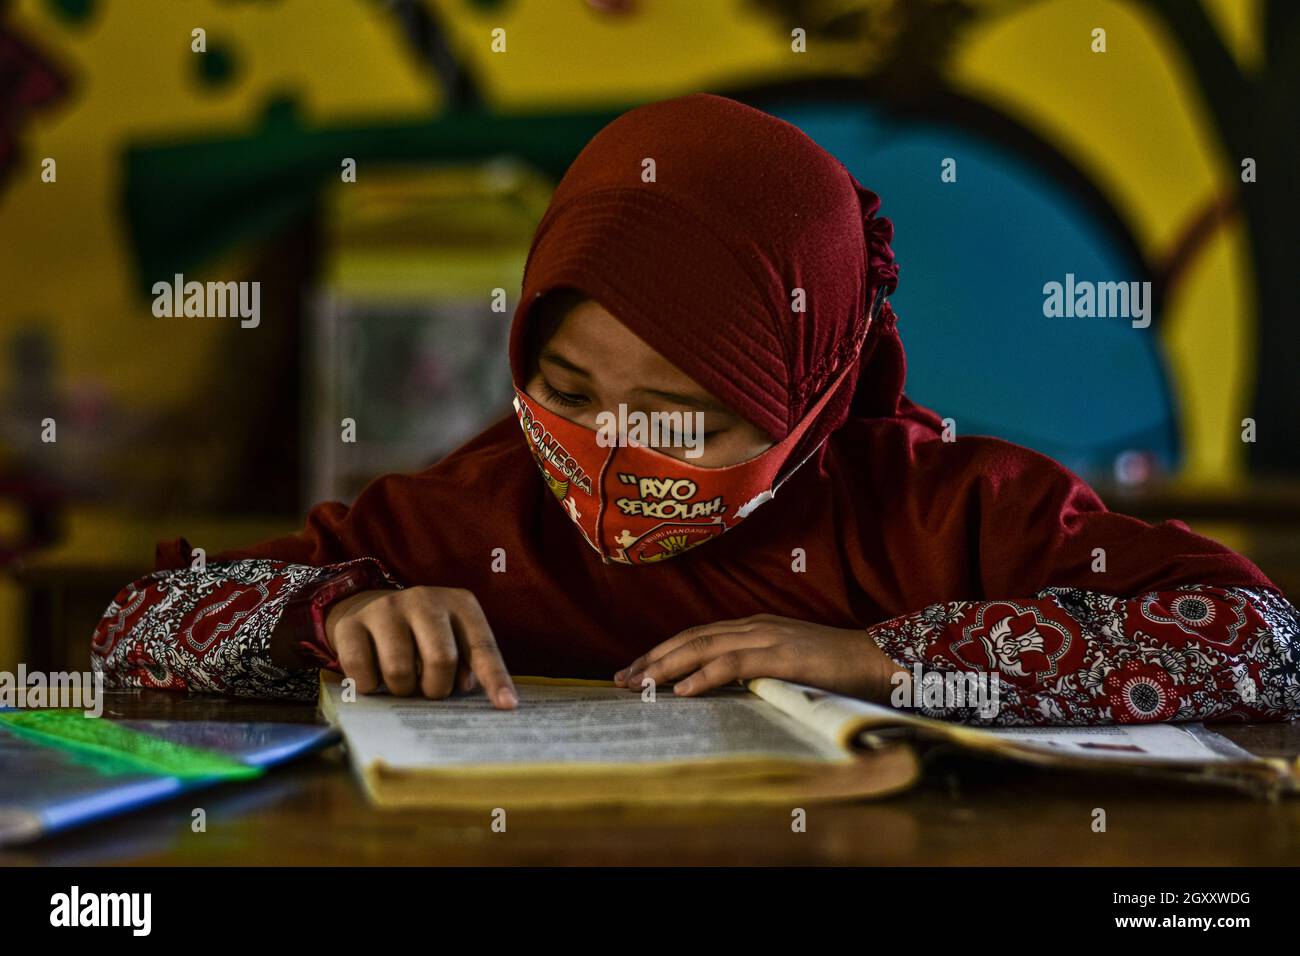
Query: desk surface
{"points": [[965, 812]]}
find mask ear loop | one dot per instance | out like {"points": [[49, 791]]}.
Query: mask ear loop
{"points": [[604, 503], [877, 304]]}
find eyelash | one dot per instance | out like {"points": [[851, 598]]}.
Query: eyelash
{"points": [[560, 398], [570, 401]]}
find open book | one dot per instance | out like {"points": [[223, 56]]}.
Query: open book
{"points": [[1190, 752], [578, 743]]}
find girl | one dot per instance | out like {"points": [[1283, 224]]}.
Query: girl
{"points": [[703, 257]]}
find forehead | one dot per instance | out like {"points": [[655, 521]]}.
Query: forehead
{"points": [[589, 336]]}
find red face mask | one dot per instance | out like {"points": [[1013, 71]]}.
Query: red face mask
{"points": [[636, 505]]}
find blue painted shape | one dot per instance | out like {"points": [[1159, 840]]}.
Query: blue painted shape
{"points": [[974, 256]]}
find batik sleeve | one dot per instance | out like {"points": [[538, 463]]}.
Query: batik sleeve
{"points": [[1074, 656], [210, 630]]}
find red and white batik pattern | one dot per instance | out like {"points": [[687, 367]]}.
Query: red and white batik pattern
{"points": [[1066, 656], [1070, 656], [210, 630]]}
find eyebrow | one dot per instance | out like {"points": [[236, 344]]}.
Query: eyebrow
{"points": [[549, 355], [703, 404], [690, 401]]}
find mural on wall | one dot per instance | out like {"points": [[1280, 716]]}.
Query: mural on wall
{"points": [[228, 164], [907, 51]]}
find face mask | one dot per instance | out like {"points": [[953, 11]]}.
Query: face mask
{"points": [[636, 505]]}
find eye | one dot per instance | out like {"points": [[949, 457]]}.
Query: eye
{"points": [[561, 398], [679, 439]]}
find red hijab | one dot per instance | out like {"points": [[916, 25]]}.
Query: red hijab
{"points": [[702, 263]]}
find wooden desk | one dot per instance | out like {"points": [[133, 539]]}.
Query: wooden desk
{"points": [[312, 812]]}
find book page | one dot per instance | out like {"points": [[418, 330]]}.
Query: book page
{"points": [[1121, 742], [845, 718], [564, 724]]}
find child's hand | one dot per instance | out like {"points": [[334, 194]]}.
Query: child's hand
{"points": [[845, 661], [437, 638]]}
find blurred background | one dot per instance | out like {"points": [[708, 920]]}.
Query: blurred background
{"points": [[227, 163]]}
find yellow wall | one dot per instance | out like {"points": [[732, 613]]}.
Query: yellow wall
{"points": [[1126, 117]]}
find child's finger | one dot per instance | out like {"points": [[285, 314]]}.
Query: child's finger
{"points": [[701, 631], [355, 650], [735, 665], [395, 648], [439, 658], [480, 648], [465, 679], [697, 652]]}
